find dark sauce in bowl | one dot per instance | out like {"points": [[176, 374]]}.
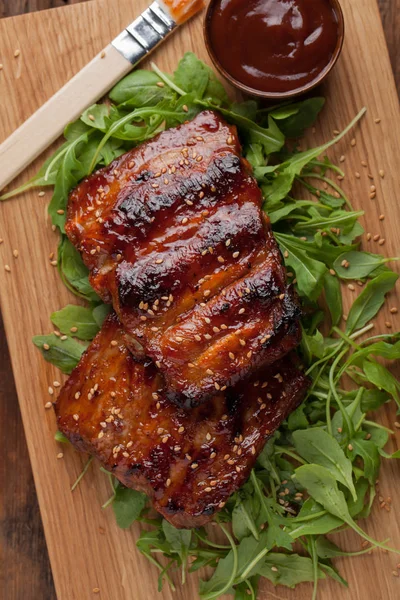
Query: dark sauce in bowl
{"points": [[274, 46]]}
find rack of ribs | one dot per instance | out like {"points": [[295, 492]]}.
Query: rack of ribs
{"points": [[174, 235], [187, 461]]}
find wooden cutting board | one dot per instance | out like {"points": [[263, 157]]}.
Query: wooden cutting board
{"points": [[87, 550]]}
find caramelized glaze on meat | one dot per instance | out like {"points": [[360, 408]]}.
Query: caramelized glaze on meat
{"points": [[174, 235], [188, 462]]}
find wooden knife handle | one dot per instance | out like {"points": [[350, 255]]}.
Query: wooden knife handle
{"points": [[48, 123]]}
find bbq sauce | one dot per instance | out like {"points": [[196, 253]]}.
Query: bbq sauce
{"points": [[274, 46]]}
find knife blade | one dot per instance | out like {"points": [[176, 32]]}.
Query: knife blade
{"points": [[130, 47]]}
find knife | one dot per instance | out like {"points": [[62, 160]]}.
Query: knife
{"points": [[144, 34]]}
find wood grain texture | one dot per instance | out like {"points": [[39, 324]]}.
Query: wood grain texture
{"points": [[106, 557]]}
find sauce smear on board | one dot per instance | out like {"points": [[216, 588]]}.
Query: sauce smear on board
{"points": [[274, 45]]}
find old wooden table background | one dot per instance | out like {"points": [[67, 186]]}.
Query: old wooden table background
{"points": [[24, 564]]}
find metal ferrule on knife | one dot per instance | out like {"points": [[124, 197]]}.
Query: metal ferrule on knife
{"points": [[145, 33]]}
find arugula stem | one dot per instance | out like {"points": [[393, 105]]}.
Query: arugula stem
{"points": [[161, 568], [210, 543], [23, 188], [252, 595], [314, 557], [331, 183], [167, 80], [290, 453], [378, 426], [316, 515], [361, 332], [332, 382], [82, 475], [330, 167], [110, 500], [328, 413], [232, 578]]}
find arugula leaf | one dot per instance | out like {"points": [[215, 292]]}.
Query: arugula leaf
{"points": [[295, 118], [128, 505], [370, 300], [76, 316], [322, 486], [193, 76], [245, 514], [140, 88], [60, 438], [370, 455], [100, 314], [333, 297], [270, 138], [312, 520], [64, 354], [361, 264], [288, 569], [316, 446], [68, 175], [310, 273], [73, 272], [381, 378], [286, 172]]}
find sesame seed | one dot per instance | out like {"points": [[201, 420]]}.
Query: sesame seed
{"points": [[48, 405], [210, 372], [388, 324], [382, 242], [242, 342], [217, 386], [185, 108], [46, 347], [179, 339], [350, 447], [224, 418], [235, 254], [274, 569], [369, 236], [381, 217], [376, 237], [75, 417], [357, 175], [17, 53], [382, 173], [231, 356], [353, 142], [7, 268], [342, 158], [208, 437], [213, 454], [165, 439], [60, 455], [394, 310], [241, 311], [181, 429], [351, 287], [194, 465]]}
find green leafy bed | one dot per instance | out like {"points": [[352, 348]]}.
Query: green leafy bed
{"points": [[317, 474]]}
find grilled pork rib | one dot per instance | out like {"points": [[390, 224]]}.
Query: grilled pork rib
{"points": [[174, 235], [187, 462]]}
